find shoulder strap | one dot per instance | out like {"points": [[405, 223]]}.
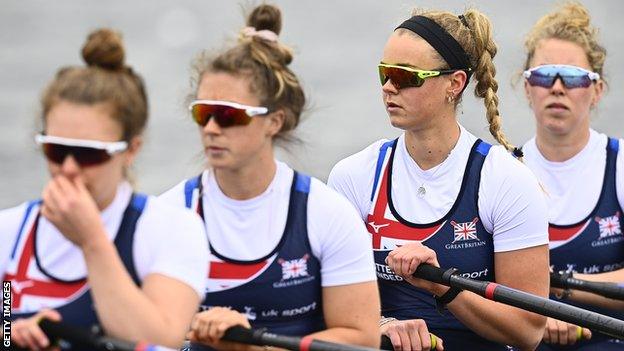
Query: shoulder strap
{"points": [[29, 208], [380, 160], [302, 183], [190, 185], [483, 148]]}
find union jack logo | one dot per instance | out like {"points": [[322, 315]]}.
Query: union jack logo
{"points": [[465, 231], [609, 226], [294, 268]]}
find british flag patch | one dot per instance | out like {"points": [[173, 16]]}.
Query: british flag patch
{"points": [[609, 226], [465, 231], [294, 268]]}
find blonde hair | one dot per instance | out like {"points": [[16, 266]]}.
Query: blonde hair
{"points": [[570, 22], [265, 62], [475, 37], [104, 80]]}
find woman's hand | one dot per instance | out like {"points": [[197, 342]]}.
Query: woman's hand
{"points": [[410, 335], [209, 326], [27, 333], [69, 206], [404, 260], [559, 332]]}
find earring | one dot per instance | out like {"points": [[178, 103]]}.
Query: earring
{"points": [[450, 97]]}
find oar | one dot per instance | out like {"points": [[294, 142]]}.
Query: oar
{"points": [[84, 338], [520, 299], [261, 337], [564, 280]]}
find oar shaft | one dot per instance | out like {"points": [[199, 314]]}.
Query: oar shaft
{"points": [[537, 304], [260, 337], [610, 290]]}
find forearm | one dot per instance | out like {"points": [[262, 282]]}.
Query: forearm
{"points": [[351, 336], [498, 322], [123, 309]]}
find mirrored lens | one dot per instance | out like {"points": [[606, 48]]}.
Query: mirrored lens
{"points": [[400, 78], [225, 116], [571, 77], [85, 156]]}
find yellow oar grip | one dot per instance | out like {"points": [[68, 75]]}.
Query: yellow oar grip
{"points": [[434, 341], [579, 333]]}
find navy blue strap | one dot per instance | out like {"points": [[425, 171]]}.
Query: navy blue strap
{"points": [[29, 208], [302, 183], [614, 144], [483, 148], [382, 155], [189, 187], [125, 236]]}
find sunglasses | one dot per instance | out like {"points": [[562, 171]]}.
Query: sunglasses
{"points": [[572, 77], [85, 152], [225, 113], [407, 77]]}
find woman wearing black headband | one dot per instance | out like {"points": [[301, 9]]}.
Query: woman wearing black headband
{"points": [[441, 196]]}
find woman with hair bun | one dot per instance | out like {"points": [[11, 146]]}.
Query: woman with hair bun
{"points": [[441, 196], [581, 169], [92, 251], [286, 252]]}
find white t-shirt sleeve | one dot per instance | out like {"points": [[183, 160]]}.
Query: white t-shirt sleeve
{"points": [[175, 195], [338, 238], [512, 204], [353, 177], [10, 221], [619, 174], [172, 241]]}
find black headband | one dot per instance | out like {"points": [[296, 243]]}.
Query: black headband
{"points": [[442, 42]]}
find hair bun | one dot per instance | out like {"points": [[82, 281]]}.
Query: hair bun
{"points": [[104, 48], [266, 17]]}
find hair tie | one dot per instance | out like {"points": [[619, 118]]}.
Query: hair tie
{"points": [[464, 21], [263, 34], [517, 152]]}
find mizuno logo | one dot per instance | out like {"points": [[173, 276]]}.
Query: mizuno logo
{"points": [[376, 227]]}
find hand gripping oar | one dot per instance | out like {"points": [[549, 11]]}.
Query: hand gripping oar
{"points": [[565, 280], [83, 338], [520, 299], [386, 343], [87, 339], [261, 337]]}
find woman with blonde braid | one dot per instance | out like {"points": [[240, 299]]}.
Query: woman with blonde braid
{"points": [[287, 253], [580, 168], [441, 196]]}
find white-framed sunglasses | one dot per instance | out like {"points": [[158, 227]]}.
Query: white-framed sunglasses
{"points": [[85, 152]]}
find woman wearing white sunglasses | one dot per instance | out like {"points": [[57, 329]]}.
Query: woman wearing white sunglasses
{"points": [[92, 251], [580, 168], [287, 253]]}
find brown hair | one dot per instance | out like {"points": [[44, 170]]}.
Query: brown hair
{"points": [[105, 80], [475, 37], [570, 22], [265, 62]]}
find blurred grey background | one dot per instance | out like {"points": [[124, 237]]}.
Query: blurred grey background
{"points": [[337, 43]]}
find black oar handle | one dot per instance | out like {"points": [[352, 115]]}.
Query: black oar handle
{"points": [[84, 338], [263, 338], [529, 302], [564, 280]]}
